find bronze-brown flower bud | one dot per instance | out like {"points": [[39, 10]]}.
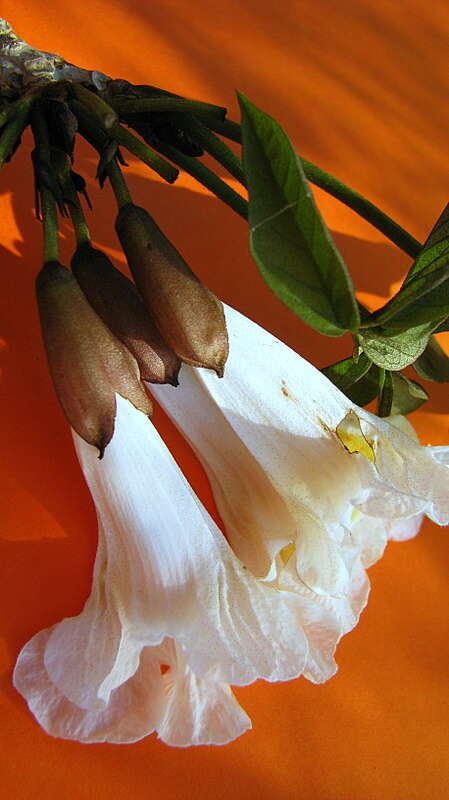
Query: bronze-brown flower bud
{"points": [[118, 303], [87, 363], [188, 315]]}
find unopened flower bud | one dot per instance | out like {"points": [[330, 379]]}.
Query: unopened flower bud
{"points": [[118, 303], [188, 315], [87, 363]]}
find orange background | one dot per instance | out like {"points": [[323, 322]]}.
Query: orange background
{"points": [[362, 89]]}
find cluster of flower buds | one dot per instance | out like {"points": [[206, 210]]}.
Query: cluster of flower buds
{"points": [[104, 334], [102, 337]]}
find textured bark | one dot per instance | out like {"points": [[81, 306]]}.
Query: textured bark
{"points": [[22, 66]]}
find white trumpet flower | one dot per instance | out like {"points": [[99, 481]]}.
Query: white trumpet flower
{"points": [[173, 617], [309, 486]]}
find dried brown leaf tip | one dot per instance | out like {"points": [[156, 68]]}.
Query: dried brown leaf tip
{"points": [[88, 364], [189, 317]]}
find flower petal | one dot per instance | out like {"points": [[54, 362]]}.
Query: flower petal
{"points": [[319, 561], [440, 453], [291, 418], [198, 710], [326, 619], [183, 709], [371, 534], [282, 409], [170, 571], [258, 523], [132, 712], [408, 470], [94, 635], [402, 529]]}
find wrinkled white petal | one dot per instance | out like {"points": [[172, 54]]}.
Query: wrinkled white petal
{"points": [[309, 486], [165, 553], [163, 573], [319, 562], [440, 453], [181, 708], [402, 529], [326, 619], [407, 469], [371, 534], [199, 710], [290, 419], [132, 712], [258, 522]]}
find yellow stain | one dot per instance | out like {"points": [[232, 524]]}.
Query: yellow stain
{"points": [[287, 552], [351, 436]]}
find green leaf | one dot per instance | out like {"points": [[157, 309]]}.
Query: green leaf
{"points": [[424, 295], [344, 373], [443, 326], [435, 246], [407, 395], [357, 379], [394, 352], [433, 364], [289, 240], [366, 389]]}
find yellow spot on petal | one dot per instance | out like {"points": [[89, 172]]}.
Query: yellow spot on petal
{"points": [[351, 436], [356, 514], [287, 552]]}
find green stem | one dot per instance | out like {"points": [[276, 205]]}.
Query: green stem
{"points": [[142, 105], [79, 223], [144, 153], [70, 196], [398, 235], [96, 105], [95, 135], [82, 232], [94, 131], [213, 145], [118, 184], [50, 223], [363, 207], [6, 113], [225, 127], [98, 139], [15, 127], [205, 176]]}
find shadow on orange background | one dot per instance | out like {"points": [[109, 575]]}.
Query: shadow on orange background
{"points": [[361, 89]]}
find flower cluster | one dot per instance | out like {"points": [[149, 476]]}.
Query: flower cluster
{"points": [[309, 487]]}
